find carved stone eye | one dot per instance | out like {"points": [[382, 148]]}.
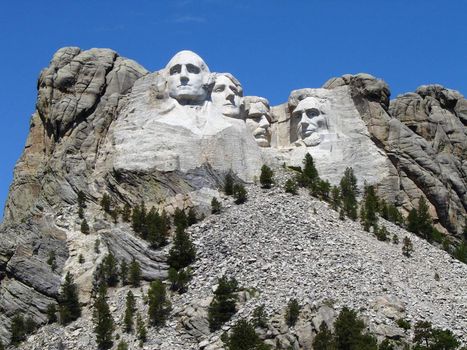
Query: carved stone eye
{"points": [[175, 69], [192, 69]]}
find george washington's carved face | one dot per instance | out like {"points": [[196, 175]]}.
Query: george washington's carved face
{"points": [[187, 75], [309, 120]]}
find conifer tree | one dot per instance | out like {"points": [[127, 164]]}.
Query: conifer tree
{"points": [[369, 207], [324, 339], [183, 251], [129, 311], [84, 227], [126, 213], [290, 186], [292, 312], [179, 279], [141, 329], [244, 337], [134, 277], [259, 317], [81, 199], [191, 217], [122, 345], [110, 270], [215, 206], [69, 306], [159, 305], [222, 307], [228, 184], [103, 321], [239, 193], [309, 170], [29, 325], [180, 219], [407, 247], [266, 177], [51, 313], [348, 330], [348, 190], [51, 260], [123, 272], [17, 330], [156, 230], [105, 203], [335, 198]]}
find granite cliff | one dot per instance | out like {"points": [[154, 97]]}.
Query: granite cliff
{"points": [[104, 124]]}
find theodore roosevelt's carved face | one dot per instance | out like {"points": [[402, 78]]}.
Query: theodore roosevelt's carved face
{"points": [[258, 121], [187, 75], [309, 119], [227, 95]]}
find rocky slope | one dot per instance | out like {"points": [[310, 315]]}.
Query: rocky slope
{"points": [[279, 246], [83, 96]]}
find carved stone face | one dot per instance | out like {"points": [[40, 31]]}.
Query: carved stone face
{"points": [[187, 76], [227, 96], [258, 122], [309, 120]]}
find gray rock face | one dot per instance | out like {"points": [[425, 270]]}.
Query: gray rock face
{"points": [[424, 137]]}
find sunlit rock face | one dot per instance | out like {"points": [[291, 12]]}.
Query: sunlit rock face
{"points": [[182, 118]]}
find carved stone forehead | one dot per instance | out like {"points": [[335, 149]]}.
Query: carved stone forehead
{"points": [[188, 57], [308, 103]]}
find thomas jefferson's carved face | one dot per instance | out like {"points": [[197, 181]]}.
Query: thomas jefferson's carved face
{"points": [[258, 122], [227, 96], [187, 76], [309, 120]]}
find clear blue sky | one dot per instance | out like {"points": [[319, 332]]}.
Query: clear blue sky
{"points": [[271, 46]]}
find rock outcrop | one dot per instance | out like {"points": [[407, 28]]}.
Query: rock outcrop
{"points": [[103, 124]]}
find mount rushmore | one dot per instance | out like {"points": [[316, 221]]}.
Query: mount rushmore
{"points": [[104, 124]]}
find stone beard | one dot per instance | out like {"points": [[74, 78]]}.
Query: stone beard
{"points": [[309, 121], [227, 95], [258, 119], [187, 78]]}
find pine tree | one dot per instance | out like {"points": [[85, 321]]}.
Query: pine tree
{"points": [[228, 184], [348, 332], [69, 306], [141, 329], [183, 251], [215, 206], [180, 219], [159, 305], [335, 198], [51, 260], [290, 186], [51, 313], [126, 213], [324, 339], [122, 345], [156, 230], [81, 259], [309, 171], [103, 321], [110, 270], [407, 247], [348, 190], [84, 227], [81, 199], [259, 317], [292, 312], [105, 203], [266, 177], [369, 207], [239, 193], [80, 213], [244, 337], [134, 277], [129, 311], [191, 217], [425, 227], [17, 330], [138, 219], [222, 306], [29, 325], [179, 279], [123, 272]]}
